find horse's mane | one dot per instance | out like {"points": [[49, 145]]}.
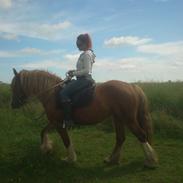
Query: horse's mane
{"points": [[38, 80]]}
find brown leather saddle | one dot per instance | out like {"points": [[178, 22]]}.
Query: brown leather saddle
{"points": [[81, 98]]}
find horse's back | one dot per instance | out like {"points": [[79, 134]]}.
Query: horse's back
{"points": [[115, 89], [119, 95]]}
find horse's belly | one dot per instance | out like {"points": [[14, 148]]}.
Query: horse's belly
{"points": [[95, 113]]}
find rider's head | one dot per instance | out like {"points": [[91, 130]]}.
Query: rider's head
{"points": [[84, 42]]}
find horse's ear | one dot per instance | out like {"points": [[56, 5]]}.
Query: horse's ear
{"points": [[15, 72]]}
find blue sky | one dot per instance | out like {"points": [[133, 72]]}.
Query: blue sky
{"points": [[134, 40]]}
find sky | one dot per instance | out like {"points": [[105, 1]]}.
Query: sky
{"points": [[133, 40]]}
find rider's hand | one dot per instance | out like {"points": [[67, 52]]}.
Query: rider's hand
{"points": [[71, 73]]}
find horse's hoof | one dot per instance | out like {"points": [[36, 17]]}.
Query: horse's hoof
{"points": [[109, 161], [68, 160], [150, 164], [46, 148]]}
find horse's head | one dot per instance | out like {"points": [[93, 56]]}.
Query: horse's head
{"points": [[18, 95]]}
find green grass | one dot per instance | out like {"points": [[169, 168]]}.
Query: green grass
{"points": [[5, 94], [167, 97], [22, 161]]}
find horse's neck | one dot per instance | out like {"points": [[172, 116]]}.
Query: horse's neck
{"points": [[36, 87]]}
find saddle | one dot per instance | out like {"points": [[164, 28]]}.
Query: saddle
{"points": [[81, 98]]}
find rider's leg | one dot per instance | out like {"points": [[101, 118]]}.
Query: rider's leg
{"points": [[66, 104], [65, 97]]}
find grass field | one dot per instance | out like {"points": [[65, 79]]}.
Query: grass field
{"points": [[22, 161]]}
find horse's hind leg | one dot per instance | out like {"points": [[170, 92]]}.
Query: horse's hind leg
{"points": [[120, 138], [71, 155], [46, 143], [151, 158]]}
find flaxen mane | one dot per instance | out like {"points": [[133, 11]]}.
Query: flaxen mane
{"points": [[37, 80]]}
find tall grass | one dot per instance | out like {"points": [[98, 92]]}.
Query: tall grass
{"points": [[166, 97], [166, 107], [21, 160], [165, 103], [5, 95]]}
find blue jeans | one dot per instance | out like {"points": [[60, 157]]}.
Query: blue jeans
{"points": [[73, 87]]}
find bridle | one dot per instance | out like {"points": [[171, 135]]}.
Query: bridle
{"points": [[61, 83], [22, 101], [19, 98]]}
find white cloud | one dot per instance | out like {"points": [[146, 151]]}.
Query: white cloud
{"points": [[161, 0], [49, 64], [36, 30], [5, 4], [166, 64], [56, 27], [126, 69], [29, 18], [117, 64], [170, 48], [72, 57], [138, 69], [50, 30], [173, 49], [102, 63], [126, 40], [68, 62], [28, 52], [7, 36], [59, 67], [41, 64]]}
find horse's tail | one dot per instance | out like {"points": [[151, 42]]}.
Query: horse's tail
{"points": [[143, 115]]}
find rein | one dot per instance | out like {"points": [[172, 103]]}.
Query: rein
{"points": [[61, 83], [53, 87]]}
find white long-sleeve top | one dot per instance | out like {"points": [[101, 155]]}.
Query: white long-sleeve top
{"points": [[85, 63]]}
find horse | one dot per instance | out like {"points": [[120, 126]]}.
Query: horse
{"points": [[125, 103]]}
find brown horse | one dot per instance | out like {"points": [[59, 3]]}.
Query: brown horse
{"points": [[125, 103]]}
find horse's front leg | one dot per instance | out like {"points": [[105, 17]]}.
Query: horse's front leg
{"points": [[71, 155], [46, 143]]}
